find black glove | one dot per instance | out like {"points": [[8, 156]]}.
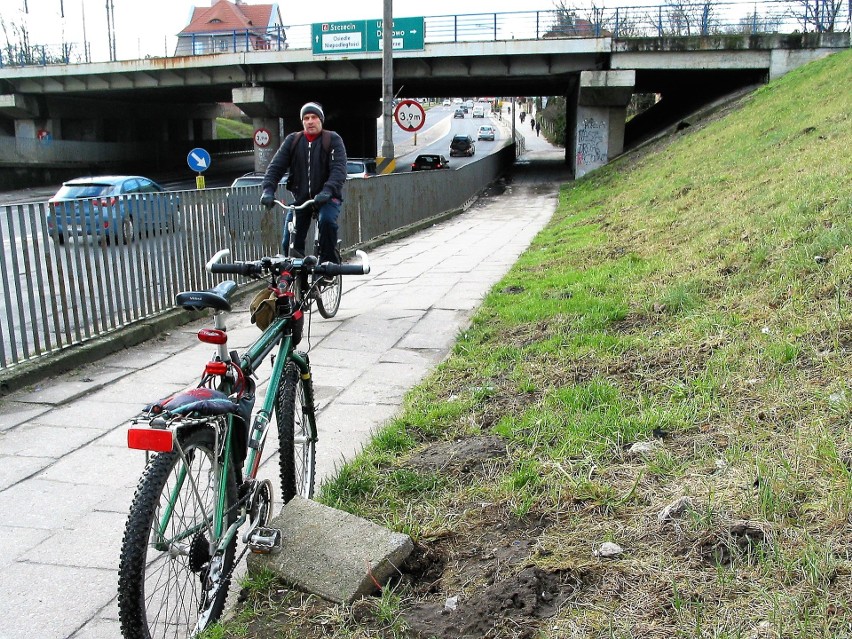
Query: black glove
{"points": [[321, 198], [268, 199]]}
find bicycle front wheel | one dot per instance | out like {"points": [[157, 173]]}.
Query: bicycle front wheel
{"points": [[297, 448], [328, 296], [172, 581]]}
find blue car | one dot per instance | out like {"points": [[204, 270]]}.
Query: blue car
{"points": [[113, 207]]}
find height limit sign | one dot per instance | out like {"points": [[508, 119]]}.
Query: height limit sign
{"points": [[409, 115]]}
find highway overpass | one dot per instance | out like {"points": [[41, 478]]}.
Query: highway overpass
{"points": [[151, 112]]}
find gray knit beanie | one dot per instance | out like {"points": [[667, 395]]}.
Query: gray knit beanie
{"points": [[312, 107]]}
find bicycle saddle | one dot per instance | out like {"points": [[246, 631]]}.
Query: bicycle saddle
{"points": [[215, 298]]}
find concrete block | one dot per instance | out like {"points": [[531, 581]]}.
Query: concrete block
{"points": [[332, 553]]}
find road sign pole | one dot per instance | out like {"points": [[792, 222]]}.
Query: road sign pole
{"points": [[387, 80]]}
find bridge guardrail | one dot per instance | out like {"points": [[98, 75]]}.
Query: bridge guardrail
{"points": [[58, 295]]}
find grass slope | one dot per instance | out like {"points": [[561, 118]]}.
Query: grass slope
{"points": [[228, 129], [694, 297]]}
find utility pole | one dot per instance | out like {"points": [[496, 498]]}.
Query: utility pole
{"points": [[110, 11], [87, 55], [387, 80]]}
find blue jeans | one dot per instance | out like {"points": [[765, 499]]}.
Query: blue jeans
{"points": [[327, 222]]}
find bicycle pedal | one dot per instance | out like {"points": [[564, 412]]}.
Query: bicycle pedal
{"points": [[264, 541]]}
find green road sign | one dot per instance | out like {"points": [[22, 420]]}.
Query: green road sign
{"points": [[339, 37], [407, 34], [365, 35]]}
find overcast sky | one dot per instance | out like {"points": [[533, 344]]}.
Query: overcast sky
{"points": [[150, 26]]}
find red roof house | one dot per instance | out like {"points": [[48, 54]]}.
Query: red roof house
{"points": [[227, 27]]}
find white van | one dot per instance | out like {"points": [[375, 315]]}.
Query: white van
{"points": [[478, 111]]}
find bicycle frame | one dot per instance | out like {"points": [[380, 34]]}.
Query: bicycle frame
{"points": [[250, 361]]}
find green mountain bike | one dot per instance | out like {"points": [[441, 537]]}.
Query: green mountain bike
{"points": [[203, 447]]}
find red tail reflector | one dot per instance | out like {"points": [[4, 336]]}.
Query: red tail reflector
{"points": [[216, 368], [161, 441], [213, 336]]}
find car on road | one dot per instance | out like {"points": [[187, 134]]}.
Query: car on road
{"points": [[429, 162], [462, 145], [360, 168], [118, 207], [459, 113], [486, 132], [447, 102], [479, 111], [253, 178]]}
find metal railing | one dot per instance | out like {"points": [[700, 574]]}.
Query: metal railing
{"points": [[61, 289], [693, 17]]}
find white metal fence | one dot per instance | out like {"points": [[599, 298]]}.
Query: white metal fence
{"points": [[58, 292]]}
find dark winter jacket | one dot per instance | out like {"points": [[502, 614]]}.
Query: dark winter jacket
{"points": [[312, 169]]}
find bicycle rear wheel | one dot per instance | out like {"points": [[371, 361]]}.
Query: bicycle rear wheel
{"points": [[328, 296], [171, 583], [297, 448]]}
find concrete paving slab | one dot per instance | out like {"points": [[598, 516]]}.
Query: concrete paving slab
{"points": [[419, 296], [15, 541], [15, 469], [14, 413], [77, 384], [344, 430], [364, 339], [98, 628], [332, 553], [116, 438], [36, 440], [384, 383], [114, 465], [48, 505], [83, 414], [52, 602], [418, 358], [439, 329], [94, 542]]}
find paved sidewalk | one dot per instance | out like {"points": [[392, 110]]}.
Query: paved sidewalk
{"points": [[67, 478]]}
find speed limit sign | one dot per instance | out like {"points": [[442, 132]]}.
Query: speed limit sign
{"points": [[410, 115], [262, 137]]}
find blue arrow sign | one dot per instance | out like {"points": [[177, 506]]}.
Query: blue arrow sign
{"points": [[198, 160]]}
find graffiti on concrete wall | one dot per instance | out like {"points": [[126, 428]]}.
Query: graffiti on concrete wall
{"points": [[592, 144]]}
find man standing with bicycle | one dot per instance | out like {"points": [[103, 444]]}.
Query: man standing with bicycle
{"points": [[316, 159]]}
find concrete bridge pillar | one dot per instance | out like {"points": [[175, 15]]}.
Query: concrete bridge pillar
{"points": [[263, 106], [601, 110]]}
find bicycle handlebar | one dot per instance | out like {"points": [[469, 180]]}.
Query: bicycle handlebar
{"points": [[293, 207], [329, 268], [268, 264]]}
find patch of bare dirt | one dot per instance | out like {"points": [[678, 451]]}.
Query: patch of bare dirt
{"points": [[463, 456], [511, 607]]}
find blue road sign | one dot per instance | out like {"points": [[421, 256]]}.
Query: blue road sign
{"points": [[198, 160]]}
